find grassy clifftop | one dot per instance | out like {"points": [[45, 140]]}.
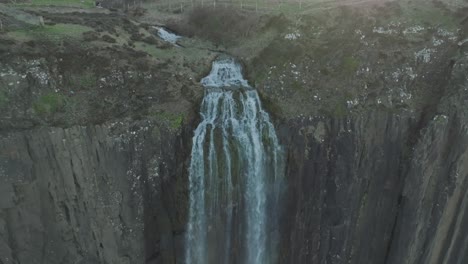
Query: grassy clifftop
{"points": [[65, 67], [60, 3], [85, 65], [335, 61]]}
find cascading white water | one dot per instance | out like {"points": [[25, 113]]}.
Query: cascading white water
{"points": [[234, 177], [165, 35], [225, 73]]}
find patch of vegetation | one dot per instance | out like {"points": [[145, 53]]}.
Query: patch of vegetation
{"points": [[336, 105], [154, 51], [339, 110], [441, 119], [67, 3], [221, 26], [185, 55], [172, 120], [54, 33], [250, 47], [3, 99], [85, 80], [296, 85], [289, 8], [49, 103], [276, 54], [430, 16], [350, 64]]}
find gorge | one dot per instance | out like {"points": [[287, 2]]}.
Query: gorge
{"points": [[335, 135]]}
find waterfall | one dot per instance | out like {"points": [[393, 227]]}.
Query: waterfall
{"points": [[234, 176]]}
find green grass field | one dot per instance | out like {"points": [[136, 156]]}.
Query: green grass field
{"points": [[53, 33], [49, 103], [67, 3]]}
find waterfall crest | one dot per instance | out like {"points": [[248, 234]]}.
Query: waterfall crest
{"points": [[235, 174]]}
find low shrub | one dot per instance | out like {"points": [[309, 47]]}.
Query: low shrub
{"points": [[3, 99], [49, 103], [350, 64], [172, 120], [220, 25]]}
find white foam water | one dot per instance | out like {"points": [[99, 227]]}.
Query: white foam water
{"points": [[225, 73], [167, 36], [234, 174]]}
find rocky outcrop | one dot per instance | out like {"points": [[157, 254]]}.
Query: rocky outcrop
{"points": [[90, 195], [53, 181]]}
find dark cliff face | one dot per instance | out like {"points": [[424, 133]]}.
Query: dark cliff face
{"points": [[53, 181], [91, 195], [357, 191], [344, 181], [381, 187], [432, 223]]}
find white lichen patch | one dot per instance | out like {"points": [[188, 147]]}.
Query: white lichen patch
{"points": [[437, 42], [440, 119], [37, 72], [294, 71], [352, 103], [360, 34], [318, 31], [396, 75], [8, 72], [405, 96], [10, 78], [293, 36], [403, 74], [385, 31], [424, 55], [153, 175], [446, 34], [409, 71], [362, 37], [363, 71], [460, 43], [414, 30]]}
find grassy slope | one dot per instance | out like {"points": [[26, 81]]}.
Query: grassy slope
{"points": [[53, 33], [324, 69], [328, 53], [65, 3], [153, 70]]}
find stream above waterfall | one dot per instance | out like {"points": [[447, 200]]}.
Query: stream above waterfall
{"points": [[167, 36]]}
